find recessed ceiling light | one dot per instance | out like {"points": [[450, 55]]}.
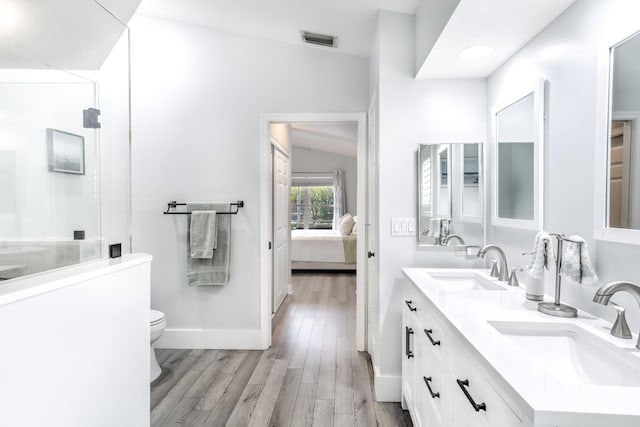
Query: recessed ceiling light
{"points": [[475, 52]]}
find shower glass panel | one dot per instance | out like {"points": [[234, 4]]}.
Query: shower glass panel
{"points": [[51, 67]]}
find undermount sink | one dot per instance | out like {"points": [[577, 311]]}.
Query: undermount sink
{"points": [[572, 354], [464, 282]]}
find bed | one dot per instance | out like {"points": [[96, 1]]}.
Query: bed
{"points": [[322, 250]]}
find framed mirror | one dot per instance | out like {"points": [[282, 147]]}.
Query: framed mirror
{"points": [[618, 179], [450, 194], [518, 131]]}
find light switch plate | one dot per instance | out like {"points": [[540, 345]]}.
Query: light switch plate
{"points": [[403, 226]]}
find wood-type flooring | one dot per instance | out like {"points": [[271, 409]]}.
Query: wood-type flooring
{"points": [[312, 375]]}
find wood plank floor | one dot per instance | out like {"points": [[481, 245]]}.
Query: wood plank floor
{"points": [[311, 376]]}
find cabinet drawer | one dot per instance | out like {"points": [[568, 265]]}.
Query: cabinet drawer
{"points": [[412, 301], [432, 397], [474, 400], [435, 334]]}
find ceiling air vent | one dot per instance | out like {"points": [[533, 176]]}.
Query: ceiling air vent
{"points": [[319, 39]]}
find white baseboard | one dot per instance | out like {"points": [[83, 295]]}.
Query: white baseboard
{"points": [[388, 387], [227, 339]]}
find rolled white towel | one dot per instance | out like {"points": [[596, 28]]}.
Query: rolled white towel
{"points": [[542, 251], [576, 264]]}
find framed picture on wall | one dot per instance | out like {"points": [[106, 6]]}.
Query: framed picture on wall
{"points": [[65, 152]]}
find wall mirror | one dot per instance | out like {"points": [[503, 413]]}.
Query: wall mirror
{"points": [[517, 173], [623, 166], [450, 194], [619, 218]]}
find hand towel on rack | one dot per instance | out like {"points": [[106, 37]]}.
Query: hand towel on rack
{"points": [[434, 227], [214, 270], [203, 236], [576, 264], [542, 255]]}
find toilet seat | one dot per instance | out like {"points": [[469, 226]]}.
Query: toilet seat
{"points": [[156, 317]]}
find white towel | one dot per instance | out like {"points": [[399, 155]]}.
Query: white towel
{"points": [[203, 234], [576, 264], [434, 227], [542, 251]]}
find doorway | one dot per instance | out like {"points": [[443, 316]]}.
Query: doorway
{"points": [[267, 235]]}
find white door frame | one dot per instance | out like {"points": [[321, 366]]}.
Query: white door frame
{"points": [[266, 279]]}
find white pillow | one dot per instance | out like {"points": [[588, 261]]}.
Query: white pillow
{"points": [[354, 230], [345, 224]]}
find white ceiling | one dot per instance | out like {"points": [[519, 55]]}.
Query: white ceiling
{"points": [[64, 34], [353, 21], [336, 138], [78, 34], [505, 25]]}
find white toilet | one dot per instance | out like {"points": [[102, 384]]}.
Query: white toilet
{"points": [[158, 323]]}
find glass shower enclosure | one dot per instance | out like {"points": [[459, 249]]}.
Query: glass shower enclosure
{"points": [[64, 124]]}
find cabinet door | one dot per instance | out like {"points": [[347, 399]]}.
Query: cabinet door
{"points": [[474, 401], [434, 397], [408, 360], [435, 334], [463, 413]]}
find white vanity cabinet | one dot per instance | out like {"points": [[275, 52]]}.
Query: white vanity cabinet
{"points": [[437, 369]]}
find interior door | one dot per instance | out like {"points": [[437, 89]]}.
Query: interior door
{"points": [[371, 228], [281, 232], [619, 174]]}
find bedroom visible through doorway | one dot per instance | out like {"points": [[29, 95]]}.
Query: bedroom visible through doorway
{"points": [[323, 206]]}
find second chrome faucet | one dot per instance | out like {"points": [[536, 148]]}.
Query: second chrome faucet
{"points": [[620, 329], [503, 272]]}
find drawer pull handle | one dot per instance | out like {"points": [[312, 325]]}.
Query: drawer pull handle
{"points": [[478, 407], [411, 308], [407, 342], [427, 380], [429, 332]]}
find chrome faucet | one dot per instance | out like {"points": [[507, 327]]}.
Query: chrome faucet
{"points": [[606, 291], [453, 236], [503, 274]]}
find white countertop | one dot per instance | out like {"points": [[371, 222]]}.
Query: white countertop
{"points": [[30, 286], [547, 399]]}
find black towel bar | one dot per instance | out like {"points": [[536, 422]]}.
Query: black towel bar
{"points": [[234, 207]]}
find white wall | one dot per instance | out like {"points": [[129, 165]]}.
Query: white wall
{"points": [[77, 347], [566, 54], [197, 98], [410, 112], [430, 19], [308, 160]]}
